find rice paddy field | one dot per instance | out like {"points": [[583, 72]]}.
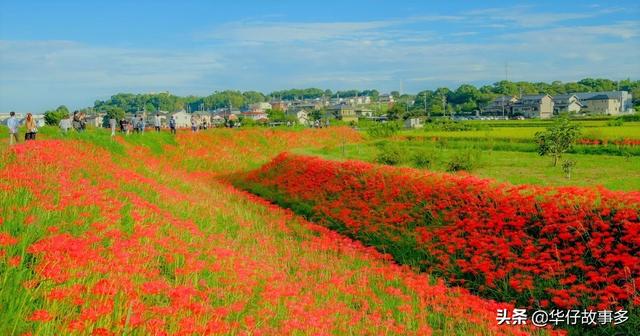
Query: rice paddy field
{"points": [[263, 231]]}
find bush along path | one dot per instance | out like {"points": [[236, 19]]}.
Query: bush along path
{"points": [[537, 247]]}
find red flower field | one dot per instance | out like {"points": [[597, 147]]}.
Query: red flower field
{"points": [[534, 246], [95, 240]]}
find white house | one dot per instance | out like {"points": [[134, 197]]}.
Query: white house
{"points": [[262, 106], [413, 123], [183, 119], [624, 99], [255, 115], [386, 98], [303, 117], [566, 103], [95, 120]]}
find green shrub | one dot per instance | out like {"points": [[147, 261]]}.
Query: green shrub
{"points": [[383, 130], [567, 167], [630, 117], [615, 122], [423, 159], [390, 155], [465, 161]]}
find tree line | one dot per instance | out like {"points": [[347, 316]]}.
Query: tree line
{"points": [[465, 98]]}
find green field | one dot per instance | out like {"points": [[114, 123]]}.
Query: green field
{"points": [[509, 130], [508, 153]]}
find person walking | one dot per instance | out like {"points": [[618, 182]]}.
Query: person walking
{"points": [[194, 125], [65, 125], [112, 124], [141, 125], [134, 123], [172, 125], [76, 121], [32, 128], [156, 122], [13, 124]]}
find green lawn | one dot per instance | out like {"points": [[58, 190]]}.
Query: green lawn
{"points": [[590, 129], [613, 172]]}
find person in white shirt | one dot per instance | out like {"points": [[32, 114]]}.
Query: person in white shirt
{"points": [[156, 122], [13, 123], [112, 124], [65, 124]]}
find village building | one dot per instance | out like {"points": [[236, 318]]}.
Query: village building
{"points": [[279, 105], [386, 98], [202, 117], [183, 119], [533, 106], [624, 98], [500, 106], [364, 113], [343, 112], [566, 103], [303, 117], [413, 123], [260, 107], [603, 104], [255, 115], [359, 100]]}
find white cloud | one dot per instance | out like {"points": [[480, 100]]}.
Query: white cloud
{"points": [[71, 71]]}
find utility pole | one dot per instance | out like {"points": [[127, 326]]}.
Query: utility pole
{"points": [[444, 105], [428, 113]]}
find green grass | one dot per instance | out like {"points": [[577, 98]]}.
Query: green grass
{"points": [[101, 137], [590, 129], [613, 172]]}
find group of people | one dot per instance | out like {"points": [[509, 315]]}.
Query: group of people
{"points": [[77, 122], [14, 124], [137, 124], [319, 124]]}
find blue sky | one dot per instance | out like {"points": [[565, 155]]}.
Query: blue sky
{"points": [[74, 52]]}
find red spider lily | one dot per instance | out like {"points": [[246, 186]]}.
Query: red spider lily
{"points": [[494, 238], [136, 250], [40, 315]]}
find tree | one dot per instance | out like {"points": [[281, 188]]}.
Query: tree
{"points": [[396, 111], [276, 115], [53, 117], [251, 97], [557, 139]]}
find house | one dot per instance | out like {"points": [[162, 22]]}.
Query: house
{"points": [[603, 104], [566, 103], [386, 98], [183, 119], [305, 105], [217, 120], [359, 100], [364, 113], [303, 117], [254, 115], [164, 118], [413, 123], [202, 117], [500, 106], [94, 120], [279, 105], [260, 107], [534, 106], [624, 98], [343, 112]]}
